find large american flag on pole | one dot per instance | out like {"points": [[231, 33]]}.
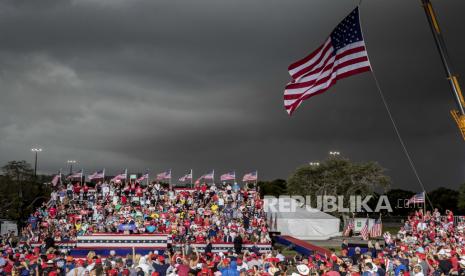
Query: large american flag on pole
{"points": [[143, 177], [252, 176], [164, 175], [343, 54], [97, 175], [76, 175], [121, 176], [416, 199], [186, 177], [228, 176], [209, 175]]}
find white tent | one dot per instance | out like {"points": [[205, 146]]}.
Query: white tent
{"points": [[303, 223]]}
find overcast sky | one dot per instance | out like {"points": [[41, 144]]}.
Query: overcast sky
{"points": [[199, 84]]}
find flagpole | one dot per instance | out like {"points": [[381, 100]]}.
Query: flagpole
{"points": [[103, 180], [213, 177], [192, 178], [147, 178], [256, 180], [424, 204], [82, 174]]}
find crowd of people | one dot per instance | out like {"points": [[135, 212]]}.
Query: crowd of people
{"points": [[427, 244], [220, 214]]}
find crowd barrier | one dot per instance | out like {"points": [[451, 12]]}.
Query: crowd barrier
{"points": [[123, 244]]}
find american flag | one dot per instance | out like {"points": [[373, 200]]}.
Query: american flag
{"points": [[250, 176], [56, 179], [418, 198], [143, 177], [349, 227], [164, 175], [377, 229], [364, 232], [186, 177], [210, 175], [120, 176], [228, 176], [97, 175], [343, 54], [76, 175]]}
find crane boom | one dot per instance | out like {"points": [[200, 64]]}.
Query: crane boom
{"points": [[458, 115]]}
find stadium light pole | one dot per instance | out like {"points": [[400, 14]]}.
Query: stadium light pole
{"points": [[71, 162], [35, 150], [334, 153], [314, 164]]}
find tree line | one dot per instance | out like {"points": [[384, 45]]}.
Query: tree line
{"points": [[340, 176]]}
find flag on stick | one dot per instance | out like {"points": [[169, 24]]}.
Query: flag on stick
{"points": [[186, 177], [143, 177], [228, 176], [342, 55], [76, 175], [56, 179], [208, 176], [121, 176], [164, 175], [97, 175], [252, 176]]}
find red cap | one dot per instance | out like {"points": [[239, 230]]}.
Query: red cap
{"points": [[161, 258]]}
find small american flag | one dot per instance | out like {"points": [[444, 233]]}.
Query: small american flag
{"points": [[418, 198], [228, 176], [364, 232], [377, 229], [209, 175], [164, 175], [121, 176], [76, 175], [143, 177], [343, 54], [186, 177], [56, 179], [252, 176], [97, 175], [349, 227]]}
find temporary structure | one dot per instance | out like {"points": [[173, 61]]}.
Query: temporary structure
{"points": [[303, 222]]}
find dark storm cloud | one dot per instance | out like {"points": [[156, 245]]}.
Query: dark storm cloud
{"points": [[181, 84]]}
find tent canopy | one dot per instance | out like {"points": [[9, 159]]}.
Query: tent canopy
{"points": [[304, 222]]}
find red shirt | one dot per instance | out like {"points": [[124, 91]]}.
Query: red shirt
{"points": [[183, 270]]}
